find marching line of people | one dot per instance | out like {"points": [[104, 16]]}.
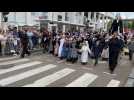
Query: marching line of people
{"points": [[69, 45], [75, 45]]}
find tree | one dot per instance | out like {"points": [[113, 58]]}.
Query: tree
{"points": [[129, 25], [132, 25]]}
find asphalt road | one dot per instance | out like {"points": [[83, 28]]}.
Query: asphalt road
{"points": [[45, 70]]}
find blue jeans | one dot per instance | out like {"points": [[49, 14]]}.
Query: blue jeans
{"points": [[30, 43]]}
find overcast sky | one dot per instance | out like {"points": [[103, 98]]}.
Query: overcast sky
{"points": [[127, 14]]}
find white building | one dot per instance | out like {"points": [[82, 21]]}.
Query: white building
{"points": [[63, 21]]}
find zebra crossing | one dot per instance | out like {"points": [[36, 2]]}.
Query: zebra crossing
{"points": [[83, 80]]}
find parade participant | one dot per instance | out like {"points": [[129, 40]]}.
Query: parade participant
{"points": [[3, 39], [65, 49], [53, 41], [74, 55], [56, 47], [15, 42], [84, 53], [69, 48], [35, 38], [114, 26], [24, 44], [96, 49], [62, 40], [131, 48], [30, 36], [45, 40], [120, 24], [105, 52], [50, 40], [114, 50]]}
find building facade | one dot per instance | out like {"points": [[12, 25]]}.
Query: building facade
{"points": [[62, 21]]}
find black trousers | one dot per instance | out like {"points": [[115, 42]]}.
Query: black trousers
{"points": [[45, 46], [113, 60], [96, 60], [130, 55], [24, 51]]}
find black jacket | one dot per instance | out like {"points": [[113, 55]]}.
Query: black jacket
{"points": [[114, 26], [24, 39], [120, 24]]}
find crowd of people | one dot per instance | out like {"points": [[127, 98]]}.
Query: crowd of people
{"points": [[70, 46]]}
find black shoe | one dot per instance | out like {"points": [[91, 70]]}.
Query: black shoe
{"points": [[29, 54], [95, 64], [21, 56], [111, 72]]}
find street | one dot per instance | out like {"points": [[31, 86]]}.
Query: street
{"points": [[45, 70]]}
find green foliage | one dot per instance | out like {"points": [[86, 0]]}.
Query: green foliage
{"points": [[129, 25], [132, 27], [125, 24]]}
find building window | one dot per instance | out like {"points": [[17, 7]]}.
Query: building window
{"points": [[105, 17], [86, 14], [97, 16], [66, 17], [59, 18]]}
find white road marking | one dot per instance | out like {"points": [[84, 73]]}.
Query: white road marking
{"points": [[14, 61], [68, 64], [60, 61], [7, 58], [26, 74], [87, 68], [51, 78], [83, 81], [113, 83], [109, 73], [102, 62], [20, 67]]}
